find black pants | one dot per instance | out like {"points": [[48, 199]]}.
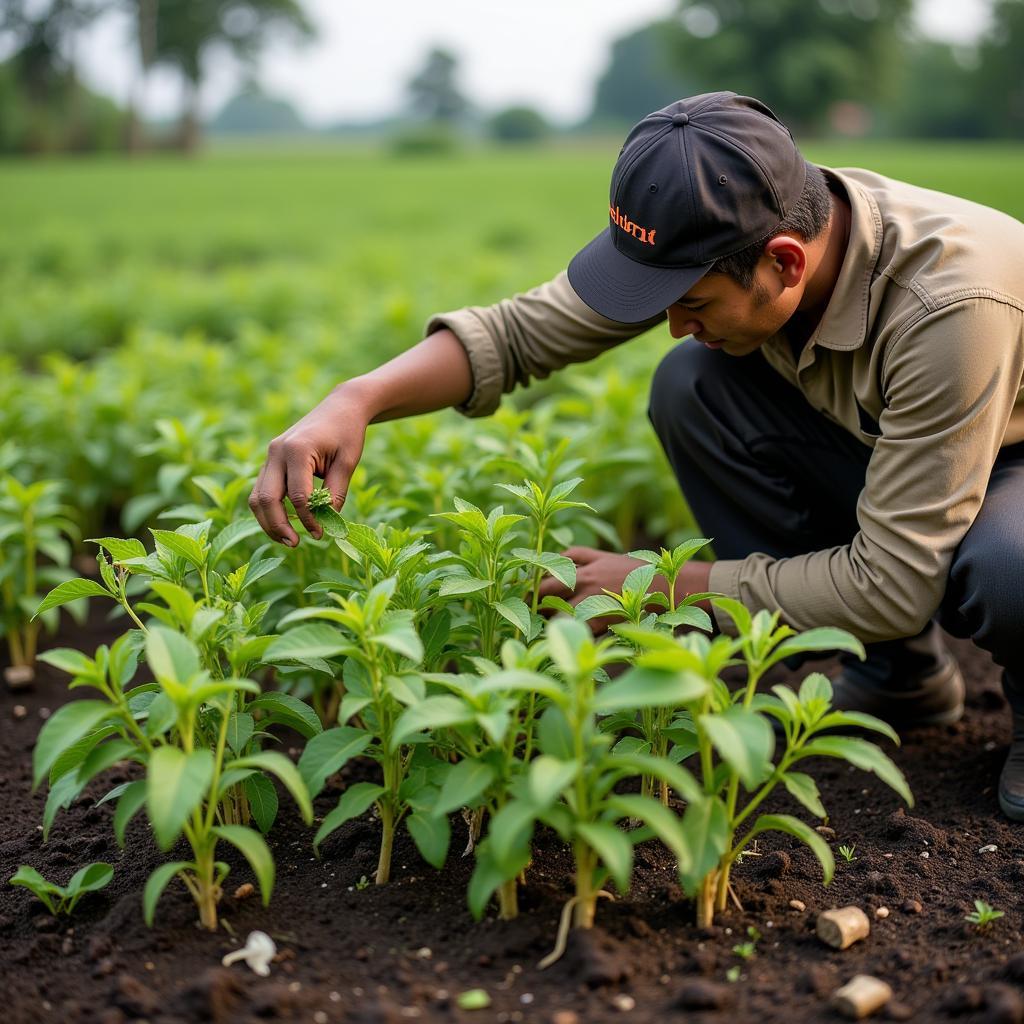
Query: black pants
{"points": [[762, 470]]}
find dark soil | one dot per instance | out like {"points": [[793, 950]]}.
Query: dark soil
{"points": [[406, 951]]}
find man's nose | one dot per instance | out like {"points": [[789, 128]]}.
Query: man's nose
{"points": [[681, 323]]}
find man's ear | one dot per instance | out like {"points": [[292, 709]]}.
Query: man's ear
{"points": [[788, 259]]}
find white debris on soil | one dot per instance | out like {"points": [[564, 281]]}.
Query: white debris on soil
{"points": [[861, 996], [991, 848], [622, 1002], [843, 927], [881, 912], [258, 951], [798, 905]]}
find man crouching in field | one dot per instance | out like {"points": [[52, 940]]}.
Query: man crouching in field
{"points": [[861, 466]]}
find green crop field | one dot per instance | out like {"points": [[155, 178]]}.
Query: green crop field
{"points": [[160, 322]]}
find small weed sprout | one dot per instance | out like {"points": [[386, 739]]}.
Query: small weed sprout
{"points": [[62, 899], [747, 950], [983, 915], [846, 852]]}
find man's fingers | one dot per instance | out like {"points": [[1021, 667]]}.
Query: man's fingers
{"points": [[267, 501], [581, 555], [550, 587], [300, 485], [336, 480]]}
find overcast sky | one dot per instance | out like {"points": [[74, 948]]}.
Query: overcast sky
{"points": [[548, 53]]}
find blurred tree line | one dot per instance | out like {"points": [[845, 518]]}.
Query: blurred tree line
{"points": [[848, 67], [45, 107]]}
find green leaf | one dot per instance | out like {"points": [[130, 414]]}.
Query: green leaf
{"points": [[62, 794], [509, 832], [687, 616], [665, 824], [289, 711], [155, 885], [456, 586], [736, 611], [254, 848], [279, 765], [515, 611], [802, 831], [354, 801], [662, 769], [132, 799], [120, 548], [73, 590], [431, 834], [326, 753], [598, 604], [548, 777], [613, 847], [861, 754], [184, 547], [315, 640], [488, 875], [562, 568], [65, 727], [69, 660], [649, 688], [44, 891], [856, 720], [331, 521], [816, 688], [804, 789], [432, 713], [176, 784], [240, 730], [171, 656], [262, 797], [826, 638], [706, 828], [231, 535], [88, 879], [744, 740], [397, 633], [463, 784]]}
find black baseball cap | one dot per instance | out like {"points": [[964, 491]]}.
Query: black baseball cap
{"points": [[695, 181]]}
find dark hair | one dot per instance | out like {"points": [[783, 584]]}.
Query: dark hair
{"points": [[808, 218]]}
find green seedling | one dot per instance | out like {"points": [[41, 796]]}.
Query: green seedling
{"points": [[735, 745], [382, 650], [846, 852], [983, 915], [33, 523], [178, 729], [571, 785], [63, 899], [747, 950]]}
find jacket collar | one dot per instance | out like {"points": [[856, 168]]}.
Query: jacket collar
{"points": [[844, 324]]}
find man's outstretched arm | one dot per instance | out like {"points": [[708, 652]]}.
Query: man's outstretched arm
{"points": [[328, 441]]}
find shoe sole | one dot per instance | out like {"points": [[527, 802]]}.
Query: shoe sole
{"points": [[1014, 811]]}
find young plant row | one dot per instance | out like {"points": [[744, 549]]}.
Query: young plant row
{"points": [[436, 663]]}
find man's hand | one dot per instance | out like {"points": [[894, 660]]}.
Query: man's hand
{"points": [[597, 571], [327, 442]]}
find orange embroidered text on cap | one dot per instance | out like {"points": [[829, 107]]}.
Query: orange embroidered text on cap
{"points": [[645, 235]]}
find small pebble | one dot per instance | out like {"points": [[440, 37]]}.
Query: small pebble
{"points": [[881, 912], [565, 1017], [924, 855], [526, 998], [798, 905], [319, 1017], [622, 1002], [991, 848], [861, 996], [912, 907], [19, 711], [244, 891], [825, 832], [44, 713], [424, 952], [843, 926]]}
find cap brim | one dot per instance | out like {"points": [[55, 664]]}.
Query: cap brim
{"points": [[624, 290]]}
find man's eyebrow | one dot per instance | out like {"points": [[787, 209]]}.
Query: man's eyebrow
{"points": [[689, 301]]}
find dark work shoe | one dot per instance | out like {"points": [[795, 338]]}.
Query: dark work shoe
{"points": [[911, 682], [1011, 781]]}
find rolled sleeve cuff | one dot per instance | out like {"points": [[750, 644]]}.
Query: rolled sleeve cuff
{"points": [[725, 579], [484, 361]]}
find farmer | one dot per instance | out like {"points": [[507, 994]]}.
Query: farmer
{"points": [[847, 421]]}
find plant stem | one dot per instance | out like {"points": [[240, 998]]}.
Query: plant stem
{"points": [[508, 900], [586, 898], [387, 839], [706, 900]]}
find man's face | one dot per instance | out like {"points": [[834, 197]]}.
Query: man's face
{"points": [[721, 314]]}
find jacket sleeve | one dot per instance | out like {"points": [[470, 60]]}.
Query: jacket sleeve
{"points": [[950, 381], [528, 336]]}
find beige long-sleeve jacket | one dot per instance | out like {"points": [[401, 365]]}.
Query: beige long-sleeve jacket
{"points": [[920, 354]]}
